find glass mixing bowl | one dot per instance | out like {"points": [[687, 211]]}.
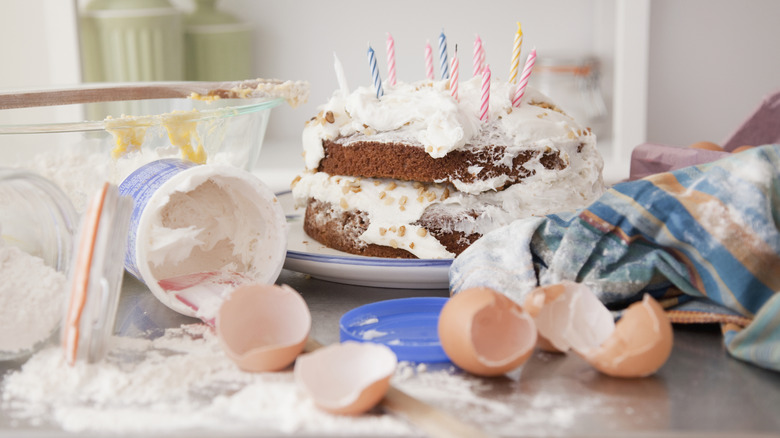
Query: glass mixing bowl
{"points": [[80, 146]]}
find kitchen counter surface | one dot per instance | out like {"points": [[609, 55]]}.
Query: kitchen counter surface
{"points": [[701, 391]]}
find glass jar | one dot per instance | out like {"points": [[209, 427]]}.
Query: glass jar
{"points": [[574, 85], [39, 219]]}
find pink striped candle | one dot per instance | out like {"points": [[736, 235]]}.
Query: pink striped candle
{"points": [[479, 56], [428, 60], [516, 46], [529, 66], [483, 109], [454, 76], [390, 60]]}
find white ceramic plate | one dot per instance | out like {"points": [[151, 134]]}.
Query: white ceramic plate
{"points": [[306, 255]]}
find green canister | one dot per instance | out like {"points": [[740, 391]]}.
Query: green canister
{"points": [[219, 46]]}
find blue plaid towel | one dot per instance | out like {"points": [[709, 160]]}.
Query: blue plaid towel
{"points": [[703, 240]]}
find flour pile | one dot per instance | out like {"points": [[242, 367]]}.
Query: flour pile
{"points": [[31, 300], [179, 382]]}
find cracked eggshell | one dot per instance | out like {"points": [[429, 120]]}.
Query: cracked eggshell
{"points": [[640, 344], [486, 333], [348, 378], [575, 320], [263, 327], [533, 303]]}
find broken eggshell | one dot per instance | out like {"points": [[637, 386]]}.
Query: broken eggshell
{"points": [[348, 378], [486, 333], [533, 303], [640, 345], [575, 319], [571, 317], [263, 327]]}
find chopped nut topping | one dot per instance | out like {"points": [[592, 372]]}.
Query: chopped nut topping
{"points": [[429, 149], [571, 134], [393, 228], [377, 182], [431, 196], [403, 200], [382, 231], [422, 232], [343, 204], [382, 195], [392, 186], [401, 230], [420, 199], [417, 184], [402, 208], [295, 181], [356, 189], [344, 190], [393, 243], [411, 245], [329, 117], [445, 194], [389, 200]]}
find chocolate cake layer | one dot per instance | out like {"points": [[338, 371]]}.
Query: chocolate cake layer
{"points": [[370, 159], [341, 230]]}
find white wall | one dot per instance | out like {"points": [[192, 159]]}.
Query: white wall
{"points": [[710, 61]]}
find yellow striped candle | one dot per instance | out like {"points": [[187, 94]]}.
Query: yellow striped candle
{"points": [[515, 66]]}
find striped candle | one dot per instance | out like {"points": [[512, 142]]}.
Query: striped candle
{"points": [[375, 73], [479, 56], [529, 65], [428, 60], [515, 65], [483, 109], [445, 73], [454, 77], [390, 60]]}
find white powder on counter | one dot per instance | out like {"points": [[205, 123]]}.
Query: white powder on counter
{"points": [[31, 300], [180, 382]]}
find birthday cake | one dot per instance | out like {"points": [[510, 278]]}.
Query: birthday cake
{"points": [[417, 172]]}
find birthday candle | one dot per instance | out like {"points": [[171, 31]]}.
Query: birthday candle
{"points": [[515, 65], [390, 60], [374, 72], [479, 56], [454, 77], [529, 65], [483, 110], [340, 77], [428, 60], [445, 74]]}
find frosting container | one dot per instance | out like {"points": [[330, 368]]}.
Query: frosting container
{"points": [[202, 230]]}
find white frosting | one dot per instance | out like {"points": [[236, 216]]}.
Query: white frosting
{"points": [[211, 218], [546, 192], [424, 114]]}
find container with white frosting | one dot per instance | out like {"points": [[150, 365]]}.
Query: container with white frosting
{"points": [[197, 231]]}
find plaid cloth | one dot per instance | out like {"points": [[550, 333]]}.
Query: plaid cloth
{"points": [[703, 240]]}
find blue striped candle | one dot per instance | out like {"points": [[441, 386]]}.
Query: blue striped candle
{"points": [[375, 73], [445, 71]]}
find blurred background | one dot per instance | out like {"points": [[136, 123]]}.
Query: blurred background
{"points": [[665, 71]]}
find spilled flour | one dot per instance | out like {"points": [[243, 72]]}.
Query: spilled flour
{"points": [[180, 382], [31, 300]]}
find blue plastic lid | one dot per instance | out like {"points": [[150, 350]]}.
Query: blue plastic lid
{"points": [[408, 326]]}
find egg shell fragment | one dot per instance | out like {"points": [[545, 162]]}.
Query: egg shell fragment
{"points": [[486, 333], [348, 378], [575, 320], [533, 303], [640, 344], [263, 327]]}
